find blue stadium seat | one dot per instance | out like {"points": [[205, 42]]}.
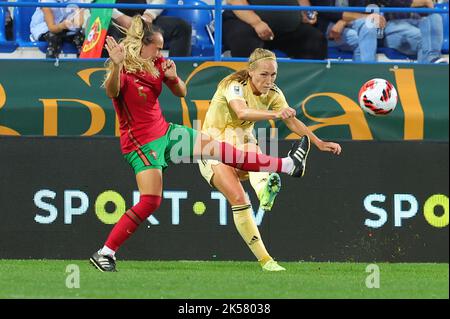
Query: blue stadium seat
{"points": [[2, 24], [336, 53], [22, 19], [5, 45], [199, 19], [279, 53], [394, 54], [444, 5]]}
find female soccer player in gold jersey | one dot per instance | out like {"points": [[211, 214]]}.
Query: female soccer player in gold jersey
{"points": [[241, 99]]}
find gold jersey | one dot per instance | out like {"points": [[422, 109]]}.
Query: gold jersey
{"points": [[222, 123]]}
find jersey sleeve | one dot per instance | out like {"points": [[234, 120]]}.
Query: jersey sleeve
{"points": [[234, 91], [279, 101]]}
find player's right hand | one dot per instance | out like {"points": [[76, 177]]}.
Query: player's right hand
{"points": [[68, 24], [78, 19], [312, 20], [264, 31], [148, 17], [116, 51], [334, 148], [376, 20], [286, 113], [336, 31]]}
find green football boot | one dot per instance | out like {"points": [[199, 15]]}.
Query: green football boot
{"points": [[272, 265], [269, 192]]}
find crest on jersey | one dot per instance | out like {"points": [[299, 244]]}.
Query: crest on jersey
{"points": [[153, 154], [237, 90]]}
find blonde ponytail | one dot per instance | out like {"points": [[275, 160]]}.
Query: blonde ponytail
{"points": [[138, 34]]}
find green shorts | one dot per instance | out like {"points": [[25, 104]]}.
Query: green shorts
{"points": [[176, 146]]}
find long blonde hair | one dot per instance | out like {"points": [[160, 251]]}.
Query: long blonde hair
{"points": [[257, 55], [139, 34]]}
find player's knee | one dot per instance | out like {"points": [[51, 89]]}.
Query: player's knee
{"points": [[148, 204], [243, 175], [152, 202], [435, 18], [238, 198], [435, 22]]}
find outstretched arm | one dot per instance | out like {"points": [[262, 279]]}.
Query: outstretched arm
{"points": [[116, 54], [248, 16], [50, 21], [298, 127], [244, 113]]}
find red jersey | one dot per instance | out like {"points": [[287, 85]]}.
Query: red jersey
{"points": [[140, 117]]}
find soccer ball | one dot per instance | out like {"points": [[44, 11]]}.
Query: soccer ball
{"points": [[378, 97]]}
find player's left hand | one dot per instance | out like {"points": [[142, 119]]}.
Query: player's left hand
{"points": [[305, 19], [170, 69], [335, 148], [148, 17], [336, 31], [116, 51]]}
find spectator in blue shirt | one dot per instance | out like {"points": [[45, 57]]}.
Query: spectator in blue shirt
{"points": [[57, 25], [289, 31], [414, 34], [8, 22], [409, 33], [351, 31]]}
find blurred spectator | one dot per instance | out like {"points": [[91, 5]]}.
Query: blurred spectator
{"points": [[351, 31], [289, 31], [8, 21], [57, 25], [411, 33], [8, 25], [408, 33], [177, 32]]}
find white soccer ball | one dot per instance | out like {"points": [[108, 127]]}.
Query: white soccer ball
{"points": [[378, 97]]}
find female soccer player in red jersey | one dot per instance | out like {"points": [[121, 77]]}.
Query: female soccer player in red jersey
{"points": [[136, 72]]}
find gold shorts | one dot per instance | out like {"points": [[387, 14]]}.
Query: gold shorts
{"points": [[240, 141], [206, 169]]}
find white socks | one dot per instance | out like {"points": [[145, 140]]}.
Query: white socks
{"points": [[106, 251], [287, 165]]}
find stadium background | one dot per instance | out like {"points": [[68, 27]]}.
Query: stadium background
{"points": [[404, 153]]}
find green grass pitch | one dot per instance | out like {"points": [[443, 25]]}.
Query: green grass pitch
{"points": [[215, 280]]}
